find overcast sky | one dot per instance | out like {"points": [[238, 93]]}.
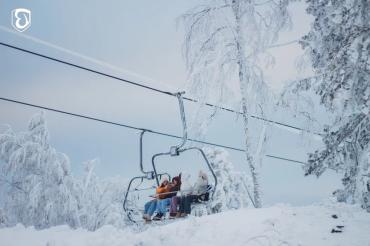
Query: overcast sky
{"points": [[142, 40]]}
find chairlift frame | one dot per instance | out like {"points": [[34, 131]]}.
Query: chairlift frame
{"points": [[148, 175], [173, 152], [178, 149]]}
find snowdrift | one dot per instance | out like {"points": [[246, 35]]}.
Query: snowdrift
{"points": [[322, 224]]}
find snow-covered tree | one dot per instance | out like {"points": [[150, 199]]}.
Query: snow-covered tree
{"points": [[232, 188], [300, 99], [339, 47], [39, 189], [225, 42], [101, 200]]}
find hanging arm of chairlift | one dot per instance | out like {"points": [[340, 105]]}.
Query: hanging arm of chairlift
{"points": [[149, 174], [174, 150]]}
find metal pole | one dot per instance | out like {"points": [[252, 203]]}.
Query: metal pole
{"points": [[141, 153], [154, 167], [183, 119]]}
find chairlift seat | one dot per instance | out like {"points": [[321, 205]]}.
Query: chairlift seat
{"points": [[202, 198]]}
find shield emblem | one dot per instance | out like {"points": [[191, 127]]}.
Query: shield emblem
{"points": [[21, 19]]}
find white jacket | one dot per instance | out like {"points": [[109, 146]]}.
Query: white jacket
{"points": [[186, 188], [200, 187]]}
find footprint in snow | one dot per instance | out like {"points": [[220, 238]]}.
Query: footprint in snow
{"points": [[337, 229]]}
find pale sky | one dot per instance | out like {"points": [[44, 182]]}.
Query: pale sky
{"points": [[141, 39]]}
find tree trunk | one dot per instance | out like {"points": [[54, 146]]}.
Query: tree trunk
{"points": [[243, 82], [250, 160]]}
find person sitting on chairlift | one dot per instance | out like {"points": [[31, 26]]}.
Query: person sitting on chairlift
{"points": [[198, 193], [162, 205], [151, 206]]}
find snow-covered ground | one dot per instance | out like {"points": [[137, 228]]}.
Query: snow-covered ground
{"points": [[277, 225]]}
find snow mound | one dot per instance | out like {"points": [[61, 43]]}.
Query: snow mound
{"points": [[277, 225]]}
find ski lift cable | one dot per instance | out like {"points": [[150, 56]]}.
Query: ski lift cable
{"points": [[134, 127], [286, 159], [284, 44], [153, 89]]}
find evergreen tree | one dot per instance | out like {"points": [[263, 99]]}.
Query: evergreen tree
{"points": [[339, 47]]}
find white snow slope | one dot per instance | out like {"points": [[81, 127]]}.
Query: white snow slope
{"points": [[277, 225]]}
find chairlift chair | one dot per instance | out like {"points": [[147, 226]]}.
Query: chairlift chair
{"points": [[147, 175], [173, 152], [179, 149]]}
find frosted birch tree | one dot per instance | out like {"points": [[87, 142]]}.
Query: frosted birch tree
{"points": [[339, 47], [225, 41]]}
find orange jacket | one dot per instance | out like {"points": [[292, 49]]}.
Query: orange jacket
{"points": [[160, 190]]}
